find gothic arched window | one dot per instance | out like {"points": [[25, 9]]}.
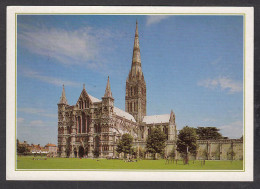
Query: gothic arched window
{"points": [[149, 131]]}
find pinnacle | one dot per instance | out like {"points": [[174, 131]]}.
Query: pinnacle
{"points": [[172, 116], [108, 92], [63, 99]]}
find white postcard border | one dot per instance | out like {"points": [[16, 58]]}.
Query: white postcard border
{"points": [[12, 174]]}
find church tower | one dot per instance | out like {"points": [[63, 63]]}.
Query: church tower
{"points": [[135, 97]]}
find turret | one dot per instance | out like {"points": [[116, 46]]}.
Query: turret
{"points": [[172, 127], [108, 92], [63, 99], [107, 101], [62, 123]]}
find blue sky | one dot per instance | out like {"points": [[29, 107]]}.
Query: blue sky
{"points": [[191, 64]]}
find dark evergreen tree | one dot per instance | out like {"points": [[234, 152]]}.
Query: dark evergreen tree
{"points": [[187, 142], [125, 144], [21, 149], [155, 142], [207, 133]]}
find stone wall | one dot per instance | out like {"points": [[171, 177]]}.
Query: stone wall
{"points": [[224, 149]]}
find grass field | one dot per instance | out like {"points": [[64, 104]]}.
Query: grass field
{"points": [[74, 163]]}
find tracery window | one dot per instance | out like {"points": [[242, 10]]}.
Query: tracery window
{"points": [[166, 132]]}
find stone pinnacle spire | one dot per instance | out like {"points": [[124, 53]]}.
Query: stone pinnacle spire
{"points": [[108, 92], [172, 116], [136, 69], [63, 99]]}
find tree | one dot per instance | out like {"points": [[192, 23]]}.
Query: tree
{"points": [[21, 149], [17, 144], [156, 142], [125, 144], [133, 152], [187, 142], [206, 133]]}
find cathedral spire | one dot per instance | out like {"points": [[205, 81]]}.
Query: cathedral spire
{"points": [[63, 99], [135, 98], [108, 92], [136, 69]]}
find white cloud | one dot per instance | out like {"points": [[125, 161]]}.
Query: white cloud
{"points": [[154, 19], [232, 130], [36, 111], [22, 123], [209, 120], [69, 47], [47, 79], [36, 123], [224, 83]]}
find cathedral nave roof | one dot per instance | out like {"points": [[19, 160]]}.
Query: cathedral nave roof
{"points": [[93, 99], [164, 118], [124, 114], [117, 111]]}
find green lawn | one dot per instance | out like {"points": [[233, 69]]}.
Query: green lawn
{"points": [[74, 163]]}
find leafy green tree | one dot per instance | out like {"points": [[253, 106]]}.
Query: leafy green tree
{"points": [[125, 144], [133, 152], [187, 142], [155, 142], [206, 133], [17, 144]]}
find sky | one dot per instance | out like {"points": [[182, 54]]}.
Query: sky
{"points": [[192, 64]]}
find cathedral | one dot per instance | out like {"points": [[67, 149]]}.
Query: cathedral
{"points": [[96, 125]]}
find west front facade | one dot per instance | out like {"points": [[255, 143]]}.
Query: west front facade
{"points": [[95, 125]]}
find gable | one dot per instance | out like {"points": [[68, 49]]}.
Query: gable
{"points": [[84, 100]]}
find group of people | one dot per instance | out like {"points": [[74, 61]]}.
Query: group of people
{"points": [[112, 158], [170, 160], [130, 160], [39, 159]]}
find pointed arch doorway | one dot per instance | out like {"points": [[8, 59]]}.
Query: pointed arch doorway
{"points": [[81, 152]]}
